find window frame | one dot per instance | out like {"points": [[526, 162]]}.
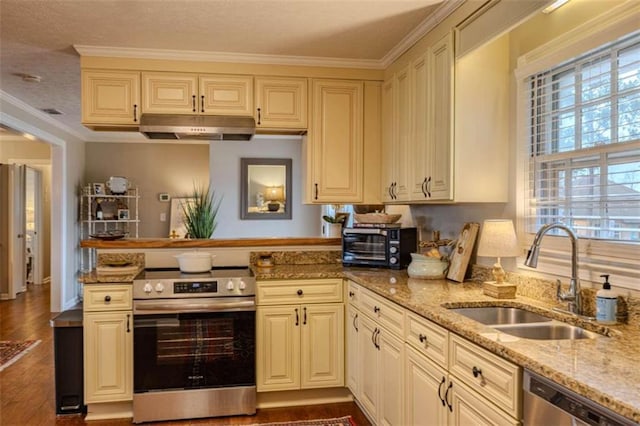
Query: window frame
{"points": [[596, 257]]}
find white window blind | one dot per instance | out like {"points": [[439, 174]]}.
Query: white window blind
{"points": [[584, 144]]}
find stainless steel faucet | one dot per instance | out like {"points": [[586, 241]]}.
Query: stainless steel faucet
{"points": [[572, 296]]}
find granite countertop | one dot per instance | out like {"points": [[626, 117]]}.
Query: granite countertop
{"points": [[603, 369]]}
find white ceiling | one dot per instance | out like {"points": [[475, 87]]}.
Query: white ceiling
{"points": [[37, 36]]}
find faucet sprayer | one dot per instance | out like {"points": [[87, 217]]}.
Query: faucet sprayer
{"points": [[573, 295]]}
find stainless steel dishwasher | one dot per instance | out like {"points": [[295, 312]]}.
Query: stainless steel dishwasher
{"points": [[547, 403]]}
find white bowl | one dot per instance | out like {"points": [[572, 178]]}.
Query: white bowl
{"points": [[195, 261]]}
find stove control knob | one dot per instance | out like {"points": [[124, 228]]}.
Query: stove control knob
{"points": [[159, 287], [147, 288], [242, 285], [230, 285]]}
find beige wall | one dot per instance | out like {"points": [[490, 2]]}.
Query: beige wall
{"points": [[153, 168]]}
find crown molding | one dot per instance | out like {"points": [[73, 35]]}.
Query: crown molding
{"points": [[444, 10], [201, 56], [18, 124]]}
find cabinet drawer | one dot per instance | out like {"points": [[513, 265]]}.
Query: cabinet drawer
{"points": [[107, 297], [353, 293], [299, 291], [491, 376], [430, 339], [386, 313]]}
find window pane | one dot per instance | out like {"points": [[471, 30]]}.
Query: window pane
{"points": [[596, 80], [629, 117], [585, 200], [565, 132], [629, 68], [564, 89], [596, 125]]}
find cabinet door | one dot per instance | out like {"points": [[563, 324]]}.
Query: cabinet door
{"points": [[468, 408], [391, 371], [169, 93], [226, 95], [422, 126], [425, 386], [108, 357], [110, 97], [388, 131], [335, 152], [352, 358], [403, 137], [441, 164], [281, 103], [369, 379], [322, 345], [278, 348]]}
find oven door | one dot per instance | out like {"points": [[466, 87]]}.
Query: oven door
{"points": [[193, 344], [365, 246]]}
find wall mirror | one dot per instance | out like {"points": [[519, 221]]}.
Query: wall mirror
{"points": [[265, 188]]}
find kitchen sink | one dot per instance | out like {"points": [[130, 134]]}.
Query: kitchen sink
{"points": [[497, 315], [525, 324], [546, 331]]}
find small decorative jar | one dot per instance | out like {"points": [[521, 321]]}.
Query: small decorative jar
{"points": [[426, 267]]}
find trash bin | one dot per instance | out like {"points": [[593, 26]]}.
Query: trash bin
{"points": [[68, 353]]}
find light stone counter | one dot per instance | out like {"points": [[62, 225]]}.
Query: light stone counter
{"points": [[604, 369]]}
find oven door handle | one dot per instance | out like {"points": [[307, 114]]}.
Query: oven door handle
{"points": [[151, 307]]}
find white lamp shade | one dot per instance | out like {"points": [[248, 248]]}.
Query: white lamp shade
{"points": [[275, 193], [498, 239]]}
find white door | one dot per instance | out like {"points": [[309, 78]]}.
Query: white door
{"points": [[17, 230], [33, 225]]}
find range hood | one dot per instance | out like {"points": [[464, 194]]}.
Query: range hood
{"points": [[199, 127]]}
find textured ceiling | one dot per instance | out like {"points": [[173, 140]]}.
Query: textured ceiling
{"points": [[36, 36]]}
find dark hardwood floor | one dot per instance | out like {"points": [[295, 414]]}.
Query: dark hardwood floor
{"points": [[27, 387]]}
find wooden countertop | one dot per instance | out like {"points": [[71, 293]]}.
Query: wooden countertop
{"points": [[144, 243]]}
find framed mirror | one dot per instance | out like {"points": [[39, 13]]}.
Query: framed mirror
{"points": [[265, 188]]}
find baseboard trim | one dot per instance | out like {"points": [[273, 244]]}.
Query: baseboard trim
{"points": [[295, 398]]}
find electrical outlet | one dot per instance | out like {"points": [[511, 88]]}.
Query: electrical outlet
{"points": [[163, 217]]}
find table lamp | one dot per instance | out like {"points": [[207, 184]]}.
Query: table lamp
{"points": [[498, 239], [274, 195]]}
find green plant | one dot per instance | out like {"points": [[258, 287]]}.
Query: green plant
{"points": [[200, 212], [334, 219]]}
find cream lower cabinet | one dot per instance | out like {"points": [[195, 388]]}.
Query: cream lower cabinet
{"points": [[300, 346], [414, 372], [450, 381], [375, 352], [108, 343]]}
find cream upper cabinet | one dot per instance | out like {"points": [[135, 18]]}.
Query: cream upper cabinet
{"points": [[110, 98], [108, 343], [185, 93], [300, 345], [169, 93], [439, 184], [335, 142], [422, 124], [281, 102], [397, 134], [226, 94]]}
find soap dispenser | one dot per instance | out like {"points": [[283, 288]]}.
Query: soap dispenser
{"points": [[606, 303]]}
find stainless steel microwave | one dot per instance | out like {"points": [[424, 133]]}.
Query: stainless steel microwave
{"points": [[379, 247]]}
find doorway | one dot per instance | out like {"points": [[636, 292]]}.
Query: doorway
{"points": [[25, 225]]}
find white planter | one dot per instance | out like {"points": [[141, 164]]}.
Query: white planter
{"points": [[332, 230]]}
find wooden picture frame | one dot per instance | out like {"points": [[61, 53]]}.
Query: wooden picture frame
{"points": [[177, 227], [461, 253], [98, 189]]}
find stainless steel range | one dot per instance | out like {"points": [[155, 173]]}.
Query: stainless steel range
{"points": [[194, 344]]}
